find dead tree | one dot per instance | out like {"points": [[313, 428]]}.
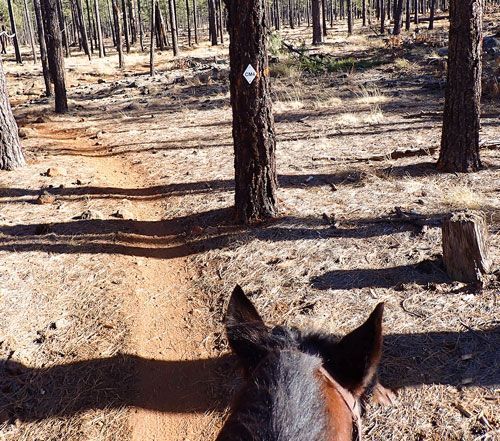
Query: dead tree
{"points": [[465, 251], [462, 109], [253, 124], [55, 53], [11, 154]]}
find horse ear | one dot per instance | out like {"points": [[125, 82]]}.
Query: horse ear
{"points": [[246, 331], [357, 355]]}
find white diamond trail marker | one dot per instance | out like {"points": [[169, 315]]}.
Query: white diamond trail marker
{"points": [[250, 74]]}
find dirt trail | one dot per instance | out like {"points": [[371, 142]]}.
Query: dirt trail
{"points": [[158, 311]]}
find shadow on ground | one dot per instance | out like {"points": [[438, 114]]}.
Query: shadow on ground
{"points": [[186, 386]]}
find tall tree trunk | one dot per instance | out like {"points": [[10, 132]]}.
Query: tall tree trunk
{"points": [[415, 12], [100, 39], [188, 22], [43, 48], [11, 154], [431, 18], [152, 42], [363, 11], [13, 30], [118, 30], [323, 14], [212, 22], [253, 124], [126, 26], [462, 110], [62, 25], [83, 29], [349, 17], [408, 16], [398, 16], [382, 17], [173, 27], [141, 27], [195, 21], [55, 53], [316, 21], [31, 34]]}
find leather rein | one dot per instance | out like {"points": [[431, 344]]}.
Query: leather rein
{"points": [[351, 403]]}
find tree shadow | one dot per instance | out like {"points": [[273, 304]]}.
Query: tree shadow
{"points": [[204, 385], [422, 273]]}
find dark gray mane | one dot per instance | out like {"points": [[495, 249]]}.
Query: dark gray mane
{"points": [[281, 401]]}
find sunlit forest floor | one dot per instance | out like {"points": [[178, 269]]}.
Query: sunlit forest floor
{"points": [[113, 283]]}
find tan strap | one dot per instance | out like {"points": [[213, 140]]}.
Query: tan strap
{"points": [[351, 402]]}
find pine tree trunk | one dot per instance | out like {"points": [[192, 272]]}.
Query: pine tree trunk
{"points": [[31, 34], [141, 27], [13, 29], [408, 16], [173, 27], [43, 48], [462, 110], [118, 30], [62, 26], [212, 22], [253, 124], [100, 39], [431, 17], [83, 29], [11, 154], [152, 42], [323, 14], [55, 53], [195, 21], [316, 21], [398, 16], [349, 17], [126, 26], [188, 22]]}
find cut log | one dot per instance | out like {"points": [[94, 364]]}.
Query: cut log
{"points": [[465, 252]]}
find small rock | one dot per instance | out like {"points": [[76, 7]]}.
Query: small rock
{"points": [[122, 214], [443, 52], [89, 215], [46, 198], [101, 81], [55, 171]]}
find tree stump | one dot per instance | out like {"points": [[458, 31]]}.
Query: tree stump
{"points": [[465, 252]]}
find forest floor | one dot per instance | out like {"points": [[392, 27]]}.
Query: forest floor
{"points": [[113, 288]]}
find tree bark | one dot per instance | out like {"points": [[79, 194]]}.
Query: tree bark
{"points": [[43, 48], [431, 16], [141, 27], [13, 29], [126, 26], [173, 27], [349, 17], [316, 21], [83, 29], [462, 110], [11, 154], [100, 39], [152, 42], [118, 30], [398, 17], [195, 21], [253, 124], [55, 53], [31, 34], [465, 250], [212, 22]]}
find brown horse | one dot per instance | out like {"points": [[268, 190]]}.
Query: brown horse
{"points": [[299, 386]]}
